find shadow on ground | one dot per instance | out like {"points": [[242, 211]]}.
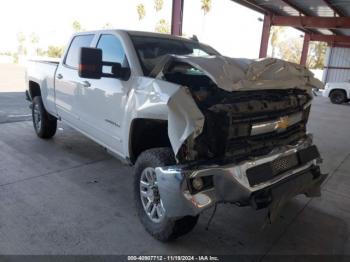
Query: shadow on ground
{"points": [[68, 196]]}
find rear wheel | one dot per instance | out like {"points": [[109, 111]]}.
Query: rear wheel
{"points": [[338, 97], [148, 200], [45, 125]]}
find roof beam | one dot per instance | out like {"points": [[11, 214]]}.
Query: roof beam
{"points": [[307, 13], [311, 21], [330, 38], [301, 12], [336, 10]]}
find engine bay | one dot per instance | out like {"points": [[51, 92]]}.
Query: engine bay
{"points": [[230, 116]]}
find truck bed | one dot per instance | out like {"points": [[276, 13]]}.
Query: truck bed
{"points": [[42, 72]]}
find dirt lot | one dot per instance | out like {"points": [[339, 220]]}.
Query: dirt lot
{"points": [[13, 107], [12, 78]]}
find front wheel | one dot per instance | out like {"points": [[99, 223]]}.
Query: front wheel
{"points": [[45, 125], [148, 200], [338, 97]]}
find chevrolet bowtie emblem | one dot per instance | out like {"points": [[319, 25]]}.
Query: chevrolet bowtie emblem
{"points": [[282, 123]]}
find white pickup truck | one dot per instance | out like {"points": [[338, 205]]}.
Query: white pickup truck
{"points": [[338, 92], [200, 128]]}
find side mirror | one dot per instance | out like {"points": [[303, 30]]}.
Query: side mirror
{"points": [[90, 63], [120, 72], [91, 66]]}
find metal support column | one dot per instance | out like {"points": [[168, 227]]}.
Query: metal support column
{"points": [[177, 17], [305, 50], [265, 36]]}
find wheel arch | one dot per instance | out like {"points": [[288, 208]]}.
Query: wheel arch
{"points": [[338, 89], [146, 134], [34, 89]]}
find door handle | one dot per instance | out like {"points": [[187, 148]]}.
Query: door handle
{"points": [[86, 84], [59, 76]]}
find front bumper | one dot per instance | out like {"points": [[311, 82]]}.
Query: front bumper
{"points": [[253, 182]]}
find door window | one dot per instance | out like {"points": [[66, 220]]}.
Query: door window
{"points": [[112, 51], [72, 58]]}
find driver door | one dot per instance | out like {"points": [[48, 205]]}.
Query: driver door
{"points": [[103, 100]]}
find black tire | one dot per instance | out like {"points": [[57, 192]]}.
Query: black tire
{"points": [[167, 229], [47, 125], [338, 97]]}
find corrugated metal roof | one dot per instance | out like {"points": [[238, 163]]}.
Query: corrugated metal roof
{"points": [[342, 5], [315, 7], [320, 8], [277, 7]]}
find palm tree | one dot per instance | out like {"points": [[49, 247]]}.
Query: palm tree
{"points": [[141, 11], [34, 40], [206, 6], [158, 4], [21, 38], [77, 26], [163, 27]]}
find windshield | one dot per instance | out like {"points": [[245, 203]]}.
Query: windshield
{"points": [[151, 50]]}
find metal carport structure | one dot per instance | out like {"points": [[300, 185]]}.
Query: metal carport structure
{"points": [[320, 20]]}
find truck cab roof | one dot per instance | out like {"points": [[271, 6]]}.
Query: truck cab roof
{"points": [[137, 33]]}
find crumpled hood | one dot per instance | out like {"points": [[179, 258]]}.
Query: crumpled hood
{"points": [[238, 74], [230, 74]]}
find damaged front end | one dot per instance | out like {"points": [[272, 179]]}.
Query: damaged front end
{"points": [[268, 181], [238, 130]]}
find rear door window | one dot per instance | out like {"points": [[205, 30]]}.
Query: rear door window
{"points": [[72, 58]]}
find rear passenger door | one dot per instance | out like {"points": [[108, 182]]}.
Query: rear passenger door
{"points": [[68, 84], [103, 100]]}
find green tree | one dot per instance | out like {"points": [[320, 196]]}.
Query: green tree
{"points": [[275, 39], [34, 40], [40, 52], [21, 39], [141, 11], [158, 5], [55, 51], [317, 55], [163, 27], [77, 27], [15, 58], [7, 53], [206, 6], [290, 49]]}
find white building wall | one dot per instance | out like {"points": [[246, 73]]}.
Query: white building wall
{"points": [[337, 65]]}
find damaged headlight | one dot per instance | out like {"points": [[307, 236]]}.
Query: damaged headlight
{"points": [[198, 184]]}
